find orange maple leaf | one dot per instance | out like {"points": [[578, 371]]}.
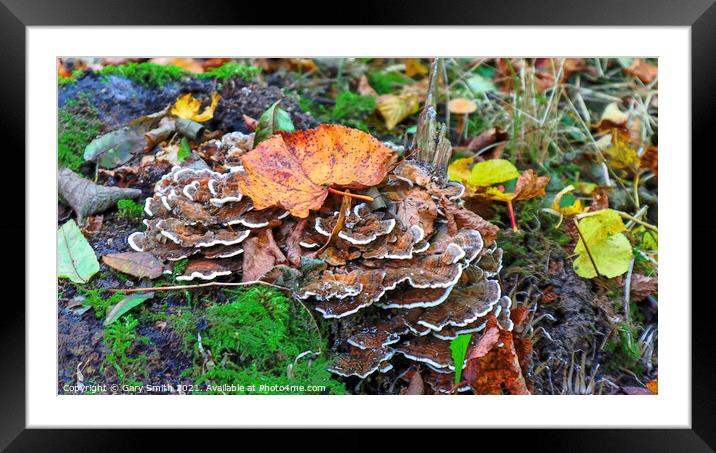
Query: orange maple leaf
{"points": [[295, 171], [496, 365]]}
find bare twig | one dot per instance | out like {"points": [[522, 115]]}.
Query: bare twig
{"points": [[627, 296], [576, 224]]}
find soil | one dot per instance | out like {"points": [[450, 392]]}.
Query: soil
{"points": [[119, 100]]}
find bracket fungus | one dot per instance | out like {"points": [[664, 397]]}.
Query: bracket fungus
{"points": [[400, 276]]}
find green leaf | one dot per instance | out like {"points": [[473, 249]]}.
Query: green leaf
{"points": [[567, 200], [75, 258], [490, 172], [479, 84], [272, 120], [123, 306], [458, 347], [612, 257], [184, 150], [510, 185], [648, 239], [114, 149]]}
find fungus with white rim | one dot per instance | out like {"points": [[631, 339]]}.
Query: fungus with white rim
{"points": [[401, 248], [360, 362], [222, 251], [206, 269], [360, 227], [383, 278], [430, 271], [428, 350], [449, 332], [417, 298], [443, 381], [371, 290], [463, 306], [503, 317], [379, 335], [491, 261]]}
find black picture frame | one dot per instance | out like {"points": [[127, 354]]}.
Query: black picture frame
{"points": [[700, 15]]}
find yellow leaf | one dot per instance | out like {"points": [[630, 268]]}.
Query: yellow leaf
{"points": [[396, 108], [586, 188], [459, 170], [187, 107], [597, 227], [561, 202], [623, 157], [612, 257], [413, 66], [491, 172], [493, 193], [609, 248]]}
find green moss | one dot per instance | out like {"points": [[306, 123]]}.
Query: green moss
{"points": [[624, 347], [130, 209], [180, 266], [255, 339], [350, 109], [351, 104], [150, 74], [122, 340], [72, 79], [387, 82], [78, 124], [98, 301], [231, 69]]}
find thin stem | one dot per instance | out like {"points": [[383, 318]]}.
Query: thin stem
{"points": [[636, 191], [627, 294], [351, 195], [199, 285], [345, 207], [512, 217]]}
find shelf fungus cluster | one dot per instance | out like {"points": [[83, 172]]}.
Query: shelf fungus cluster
{"points": [[398, 265]]}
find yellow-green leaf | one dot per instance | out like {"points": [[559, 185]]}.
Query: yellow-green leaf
{"points": [[647, 239], [609, 247], [76, 259], [598, 227], [612, 257], [622, 157], [492, 172], [459, 170]]}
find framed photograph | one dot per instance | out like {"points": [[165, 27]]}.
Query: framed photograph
{"points": [[451, 225]]}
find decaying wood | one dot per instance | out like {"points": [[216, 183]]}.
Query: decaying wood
{"points": [[189, 129], [431, 139], [87, 198]]}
